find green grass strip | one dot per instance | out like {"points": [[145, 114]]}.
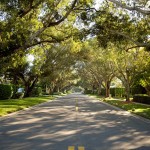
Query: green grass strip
{"points": [[12, 105]]}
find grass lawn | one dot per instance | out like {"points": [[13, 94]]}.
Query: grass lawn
{"points": [[139, 109], [12, 105]]}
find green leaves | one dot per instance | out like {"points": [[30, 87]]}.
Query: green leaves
{"points": [[25, 25]]}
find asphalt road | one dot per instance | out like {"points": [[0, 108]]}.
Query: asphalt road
{"points": [[74, 122]]}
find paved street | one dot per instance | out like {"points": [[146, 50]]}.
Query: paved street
{"points": [[74, 122]]}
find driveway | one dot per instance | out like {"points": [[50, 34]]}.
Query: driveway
{"points": [[74, 122]]}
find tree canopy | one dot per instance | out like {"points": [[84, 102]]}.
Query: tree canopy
{"points": [[74, 40], [24, 24]]}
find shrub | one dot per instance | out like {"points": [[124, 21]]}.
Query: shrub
{"points": [[112, 91], [6, 91], [138, 90], [141, 98], [88, 91], [120, 92], [103, 92], [68, 92], [57, 93], [19, 95], [37, 91], [117, 92], [14, 87]]}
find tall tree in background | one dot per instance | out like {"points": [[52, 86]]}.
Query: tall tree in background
{"points": [[25, 73], [58, 69], [127, 66], [143, 71]]}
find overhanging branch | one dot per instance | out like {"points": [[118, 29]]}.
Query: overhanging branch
{"points": [[143, 11], [51, 24], [138, 44], [65, 16]]}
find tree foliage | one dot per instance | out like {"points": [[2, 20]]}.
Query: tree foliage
{"points": [[25, 24], [58, 68], [67, 37]]}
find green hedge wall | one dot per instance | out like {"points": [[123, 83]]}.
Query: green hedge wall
{"points": [[103, 92], [37, 91], [88, 91], [120, 92], [6, 91], [141, 99], [115, 92]]}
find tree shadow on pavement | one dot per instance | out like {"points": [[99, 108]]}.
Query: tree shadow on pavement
{"points": [[57, 125]]}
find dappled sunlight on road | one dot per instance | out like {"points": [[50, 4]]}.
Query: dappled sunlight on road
{"points": [[57, 124]]}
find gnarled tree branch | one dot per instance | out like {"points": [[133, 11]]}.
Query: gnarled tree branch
{"points": [[52, 23], [143, 11], [138, 44]]}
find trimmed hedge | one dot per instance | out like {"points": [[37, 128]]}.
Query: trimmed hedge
{"points": [[19, 95], [37, 91], [115, 92], [6, 91], [120, 92], [103, 92], [86, 91], [141, 99], [15, 88]]}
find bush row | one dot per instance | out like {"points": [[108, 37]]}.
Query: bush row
{"points": [[141, 99], [37, 91], [115, 92], [90, 91], [6, 91], [10, 91]]}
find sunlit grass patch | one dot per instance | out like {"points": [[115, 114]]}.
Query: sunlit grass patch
{"points": [[12, 105], [139, 109]]}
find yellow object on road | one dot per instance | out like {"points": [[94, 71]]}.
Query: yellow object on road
{"points": [[77, 108], [73, 148], [81, 148]]}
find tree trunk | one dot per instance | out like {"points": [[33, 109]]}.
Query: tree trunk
{"points": [[147, 90], [127, 88], [107, 88], [93, 89], [27, 91], [29, 88], [56, 89], [99, 89]]}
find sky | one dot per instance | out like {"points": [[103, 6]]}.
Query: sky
{"points": [[98, 3], [30, 58]]}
